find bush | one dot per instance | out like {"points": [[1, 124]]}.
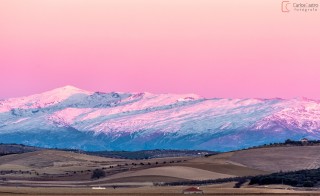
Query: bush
{"points": [[301, 178], [308, 184], [98, 173], [240, 183]]}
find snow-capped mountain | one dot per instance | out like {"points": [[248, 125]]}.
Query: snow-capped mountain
{"points": [[69, 117]]}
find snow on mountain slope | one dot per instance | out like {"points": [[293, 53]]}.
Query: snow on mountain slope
{"points": [[69, 117], [42, 100], [296, 114]]}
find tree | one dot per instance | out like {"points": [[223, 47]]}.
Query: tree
{"points": [[308, 184], [288, 141], [98, 173], [240, 183]]}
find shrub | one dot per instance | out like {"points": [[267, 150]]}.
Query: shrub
{"points": [[98, 173], [240, 183], [308, 184]]}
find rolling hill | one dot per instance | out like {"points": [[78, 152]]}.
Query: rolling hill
{"points": [[62, 168]]}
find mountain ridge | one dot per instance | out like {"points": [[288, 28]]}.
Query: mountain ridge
{"points": [[140, 121]]}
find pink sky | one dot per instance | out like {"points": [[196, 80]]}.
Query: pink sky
{"points": [[214, 48]]}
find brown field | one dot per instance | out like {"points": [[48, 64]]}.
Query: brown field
{"points": [[68, 173], [149, 190], [188, 173], [280, 158]]}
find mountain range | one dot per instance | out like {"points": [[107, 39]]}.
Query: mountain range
{"points": [[70, 117]]}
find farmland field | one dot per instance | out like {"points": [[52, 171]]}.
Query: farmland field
{"points": [[55, 172]]}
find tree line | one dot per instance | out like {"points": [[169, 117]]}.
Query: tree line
{"points": [[301, 178]]}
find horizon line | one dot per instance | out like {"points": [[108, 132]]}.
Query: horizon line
{"points": [[148, 92]]}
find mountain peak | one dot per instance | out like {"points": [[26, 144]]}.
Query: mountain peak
{"points": [[43, 99], [68, 88], [66, 91]]}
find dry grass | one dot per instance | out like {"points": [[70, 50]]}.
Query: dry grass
{"points": [[183, 172], [279, 158], [147, 190]]}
